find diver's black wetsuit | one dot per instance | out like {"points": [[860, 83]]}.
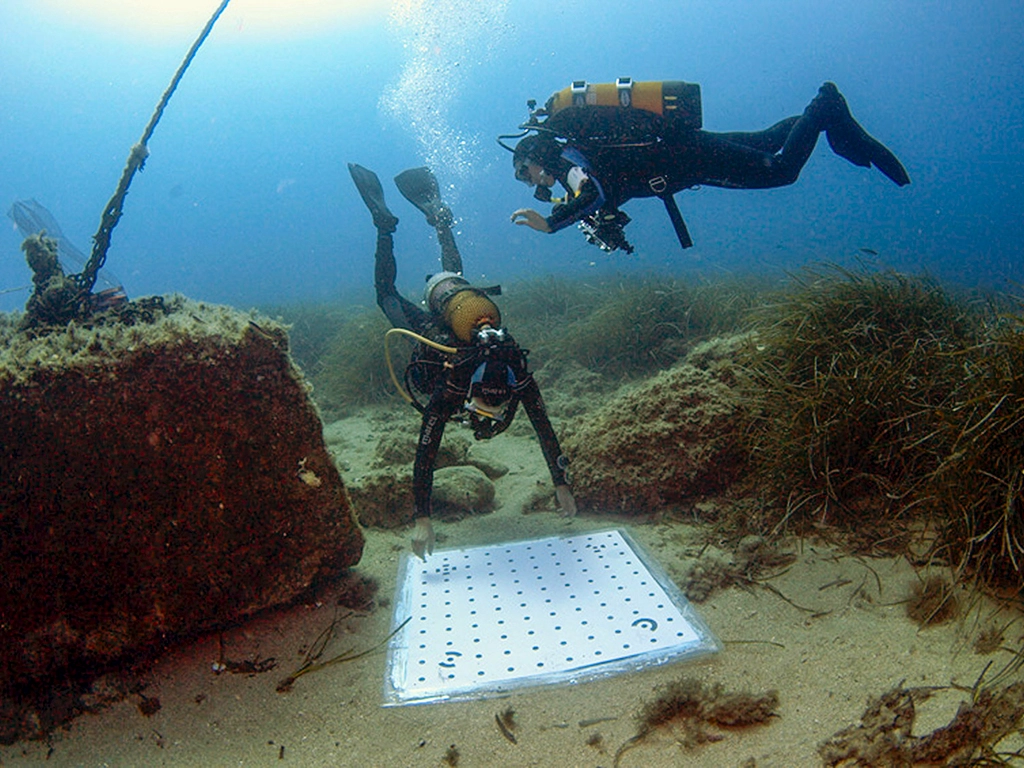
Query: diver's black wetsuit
{"points": [[399, 310], [446, 379], [733, 160], [686, 158]]}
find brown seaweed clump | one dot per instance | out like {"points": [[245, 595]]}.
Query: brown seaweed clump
{"points": [[989, 640], [884, 735], [624, 327], [357, 592], [755, 561], [697, 714], [887, 394], [849, 369], [932, 601], [451, 756], [979, 482]]}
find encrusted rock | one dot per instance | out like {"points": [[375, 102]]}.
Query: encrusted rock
{"points": [[670, 440], [481, 456], [164, 473], [399, 447], [460, 491], [383, 498]]}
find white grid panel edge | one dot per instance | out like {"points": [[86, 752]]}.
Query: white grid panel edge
{"points": [[483, 620]]}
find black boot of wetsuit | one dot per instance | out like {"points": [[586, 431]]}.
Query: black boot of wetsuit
{"points": [[784, 166], [451, 259], [848, 139]]}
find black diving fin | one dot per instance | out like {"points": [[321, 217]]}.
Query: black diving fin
{"points": [[370, 190], [849, 140], [419, 187], [853, 143]]}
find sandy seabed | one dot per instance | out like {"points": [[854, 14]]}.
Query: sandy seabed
{"points": [[830, 633]]}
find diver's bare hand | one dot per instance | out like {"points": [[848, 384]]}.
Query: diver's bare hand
{"points": [[530, 218], [423, 538], [565, 499]]}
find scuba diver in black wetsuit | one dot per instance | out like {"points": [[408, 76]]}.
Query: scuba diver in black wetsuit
{"points": [[468, 365], [600, 174]]}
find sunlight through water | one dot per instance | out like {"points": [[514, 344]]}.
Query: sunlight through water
{"points": [[169, 18]]}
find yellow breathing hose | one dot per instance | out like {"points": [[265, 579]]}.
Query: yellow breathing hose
{"points": [[423, 340]]}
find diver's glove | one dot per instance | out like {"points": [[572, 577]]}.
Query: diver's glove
{"points": [[565, 499], [423, 538]]}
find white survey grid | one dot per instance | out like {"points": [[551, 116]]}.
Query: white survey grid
{"points": [[483, 620]]}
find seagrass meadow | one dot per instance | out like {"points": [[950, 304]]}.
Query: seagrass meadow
{"points": [[887, 406], [874, 406], [827, 467]]}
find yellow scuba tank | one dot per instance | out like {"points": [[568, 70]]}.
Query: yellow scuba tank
{"points": [[468, 310], [675, 100]]}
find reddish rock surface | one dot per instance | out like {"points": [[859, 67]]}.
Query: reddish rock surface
{"points": [[160, 477]]}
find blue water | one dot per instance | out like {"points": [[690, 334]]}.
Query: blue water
{"points": [[245, 198]]}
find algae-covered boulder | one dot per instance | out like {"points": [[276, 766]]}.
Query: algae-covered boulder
{"points": [[163, 473], [670, 440], [383, 498], [382, 494], [398, 447], [461, 491], [482, 456]]}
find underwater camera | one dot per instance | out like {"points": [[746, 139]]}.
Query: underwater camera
{"points": [[605, 230]]}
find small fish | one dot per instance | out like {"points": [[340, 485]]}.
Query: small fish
{"points": [[868, 251]]}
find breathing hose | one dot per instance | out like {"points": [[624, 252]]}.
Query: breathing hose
{"points": [[417, 337]]}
